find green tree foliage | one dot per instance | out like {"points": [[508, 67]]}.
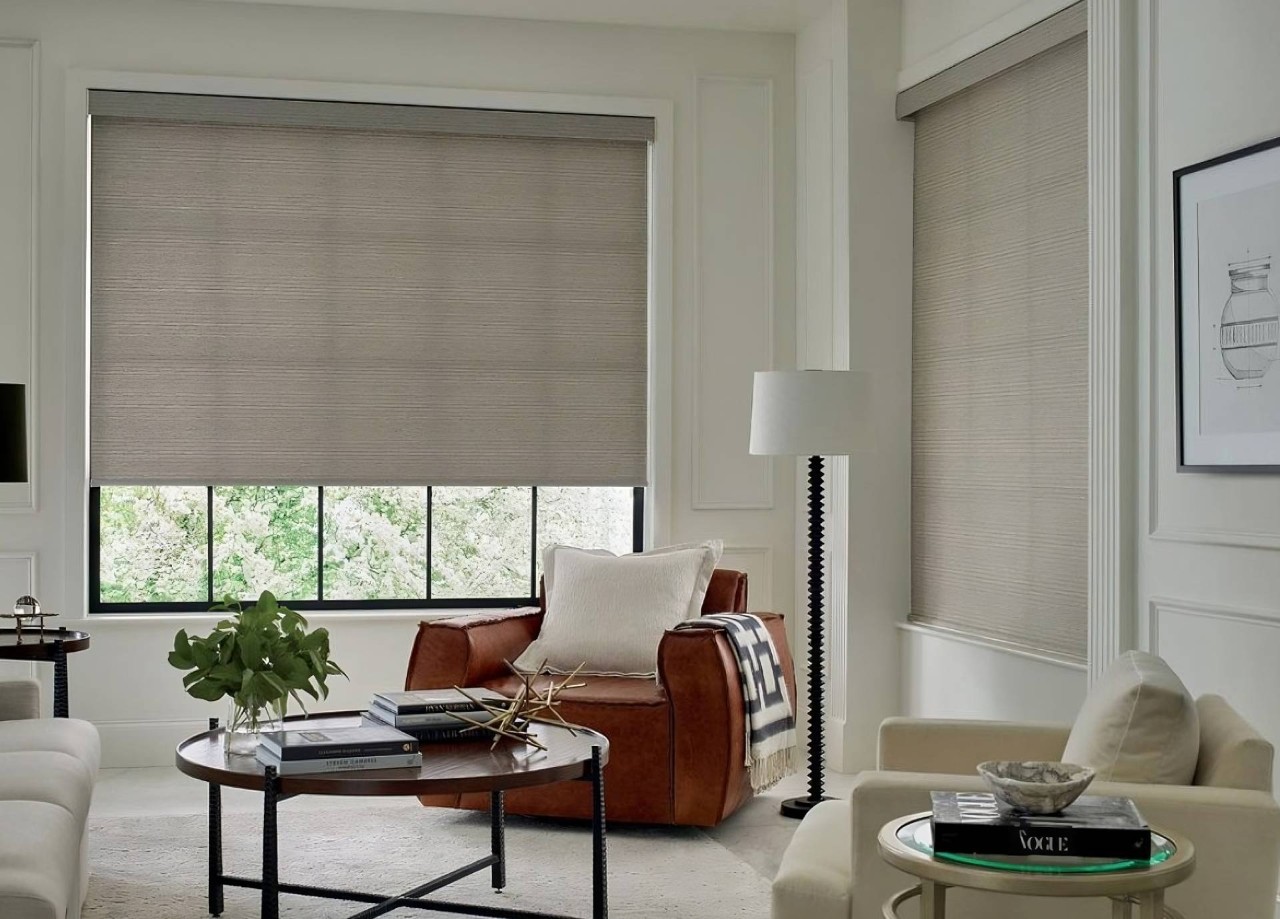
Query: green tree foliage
{"points": [[481, 542], [375, 543], [265, 538], [154, 544]]}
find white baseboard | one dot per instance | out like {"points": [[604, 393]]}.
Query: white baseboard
{"points": [[143, 743]]}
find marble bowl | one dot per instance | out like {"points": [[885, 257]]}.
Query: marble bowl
{"points": [[1035, 787]]}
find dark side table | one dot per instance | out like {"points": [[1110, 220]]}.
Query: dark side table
{"points": [[54, 647]]}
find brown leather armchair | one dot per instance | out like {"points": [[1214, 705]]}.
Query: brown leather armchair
{"points": [[677, 744]]}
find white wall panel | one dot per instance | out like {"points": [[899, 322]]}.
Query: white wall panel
{"points": [[734, 295], [757, 562], [123, 682], [1222, 650], [18, 137], [955, 677], [1213, 85]]}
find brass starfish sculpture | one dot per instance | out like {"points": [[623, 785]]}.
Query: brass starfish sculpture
{"points": [[526, 707]]}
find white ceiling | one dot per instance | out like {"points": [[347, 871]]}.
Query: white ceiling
{"points": [[751, 15]]}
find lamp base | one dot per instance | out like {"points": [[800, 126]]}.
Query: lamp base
{"points": [[796, 808]]}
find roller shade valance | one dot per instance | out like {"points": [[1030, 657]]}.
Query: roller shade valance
{"points": [[999, 497], [365, 116], [342, 303]]}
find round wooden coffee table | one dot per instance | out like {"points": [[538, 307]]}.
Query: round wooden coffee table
{"points": [[53, 646], [904, 843], [467, 766]]}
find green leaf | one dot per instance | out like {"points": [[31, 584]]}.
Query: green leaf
{"points": [[207, 690]]}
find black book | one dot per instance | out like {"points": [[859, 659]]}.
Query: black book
{"points": [[1093, 827], [370, 739], [435, 701], [428, 735]]}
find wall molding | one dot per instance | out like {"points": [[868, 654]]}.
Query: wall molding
{"points": [[30, 504], [765, 500], [1113, 199], [1157, 606], [1239, 539], [992, 644]]}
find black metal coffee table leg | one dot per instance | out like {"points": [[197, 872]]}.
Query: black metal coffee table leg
{"points": [[270, 875], [599, 862], [61, 706], [497, 824], [215, 842]]}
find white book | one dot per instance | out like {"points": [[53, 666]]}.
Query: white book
{"points": [[339, 764]]}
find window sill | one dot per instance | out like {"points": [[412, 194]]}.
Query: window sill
{"points": [[318, 617], [993, 644]]}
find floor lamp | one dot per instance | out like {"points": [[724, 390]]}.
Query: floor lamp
{"points": [[813, 413], [13, 432]]}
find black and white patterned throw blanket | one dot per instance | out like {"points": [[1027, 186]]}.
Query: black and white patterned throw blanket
{"points": [[771, 722]]}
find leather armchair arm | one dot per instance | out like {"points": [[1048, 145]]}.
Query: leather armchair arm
{"points": [[956, 747], [19, 699], [698, 670], [469, 650]]}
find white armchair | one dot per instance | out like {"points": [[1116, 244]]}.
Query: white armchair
{"points": [[832, 869]]}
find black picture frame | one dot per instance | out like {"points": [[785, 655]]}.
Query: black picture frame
{"points": [[1179, 220]]}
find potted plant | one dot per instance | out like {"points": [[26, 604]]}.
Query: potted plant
{"points": [[258, 658]]}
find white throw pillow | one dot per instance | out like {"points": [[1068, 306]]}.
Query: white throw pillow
{"points": [[1138, 724], [610, 612]]}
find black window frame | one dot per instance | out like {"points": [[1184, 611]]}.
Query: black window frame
{"points": [[98, 607]]}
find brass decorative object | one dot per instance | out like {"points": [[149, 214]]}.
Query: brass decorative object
{"points": [[27, 609], [528, 706]]}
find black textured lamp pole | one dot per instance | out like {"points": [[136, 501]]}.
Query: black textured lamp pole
{"points": [[798, 807], [813, 413]]}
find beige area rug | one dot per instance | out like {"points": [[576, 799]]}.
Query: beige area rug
{"points": [[156, 868]]}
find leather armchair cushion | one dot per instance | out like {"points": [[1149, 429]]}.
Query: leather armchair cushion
{"points": [[635, 715]]}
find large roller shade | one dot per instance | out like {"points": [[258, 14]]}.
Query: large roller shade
{"points": [[306, 292], [1000, 357]]}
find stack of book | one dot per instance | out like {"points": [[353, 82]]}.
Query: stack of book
{"points": [[324, 749], [1091, 828], [434, 715]]}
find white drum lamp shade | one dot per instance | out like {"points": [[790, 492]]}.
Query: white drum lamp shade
{"points": [[810, 412]]}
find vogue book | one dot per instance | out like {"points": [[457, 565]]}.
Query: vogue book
{"points": [[975, 823]]}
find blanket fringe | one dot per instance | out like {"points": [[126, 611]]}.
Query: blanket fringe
{"points": [[767, 772]]}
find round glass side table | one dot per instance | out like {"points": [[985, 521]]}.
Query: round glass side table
{"points": [[907, 844]]}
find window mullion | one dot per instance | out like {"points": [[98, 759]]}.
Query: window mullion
{"points": [[533, 551], [209, 538], [320, 543], [430, 528]]}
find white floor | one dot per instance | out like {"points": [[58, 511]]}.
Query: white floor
{"points": [[757, 834]]}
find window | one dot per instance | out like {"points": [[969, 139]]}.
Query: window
{"points": [[445, 309], [180, 548], [999, 497]]}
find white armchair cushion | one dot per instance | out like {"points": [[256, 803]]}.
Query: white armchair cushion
{"points": [[610, 612], [1138, 724], [815, 879]]}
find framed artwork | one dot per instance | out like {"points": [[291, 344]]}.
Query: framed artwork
{"points": [[1227, 298]]}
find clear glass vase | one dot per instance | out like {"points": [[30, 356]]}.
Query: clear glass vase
{"points": [[244, 724]]}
